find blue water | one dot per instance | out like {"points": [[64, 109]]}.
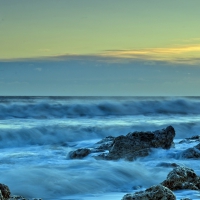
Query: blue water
{"points": [[37, 133]]}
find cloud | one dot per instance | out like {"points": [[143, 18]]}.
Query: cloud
{"points": [[180, 54], [187, 54]]}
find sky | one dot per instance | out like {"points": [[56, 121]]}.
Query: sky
{"points": [[99, 48]]}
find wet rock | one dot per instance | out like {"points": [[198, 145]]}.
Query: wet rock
{"points": [[1, 196], [193, 152], [16, 197], [129, 147], [164, 164], [182, 178], [185, 199], [5, 191], [157, 192], [138, 144], [105, 144], [195, 138], [79, 153], [128, 155]]}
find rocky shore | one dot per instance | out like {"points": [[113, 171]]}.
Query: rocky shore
{"points": [[5, 194], [140, 144], [137, 144], [133, 146], [178, 179]]}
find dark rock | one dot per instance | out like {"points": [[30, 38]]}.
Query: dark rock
{"points": [[16, 197], [193, 152], [185, 199], [138, 144], [105, 144], [5, 191], [79, 153], [129, 147], [157, 192], [164, 164], [195, 138], [128, 156], [182, 178]]}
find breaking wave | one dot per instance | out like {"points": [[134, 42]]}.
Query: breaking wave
{"points": [[95, 107]]}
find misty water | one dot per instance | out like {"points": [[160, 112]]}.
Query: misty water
{"points": [[37, 134]]}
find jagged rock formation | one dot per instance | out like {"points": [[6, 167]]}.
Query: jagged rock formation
{"points": [[179, 178], [4, 192], [138, 144], [79, 153], [182, 178], [157, 192], [129, 147], [193, 152]]}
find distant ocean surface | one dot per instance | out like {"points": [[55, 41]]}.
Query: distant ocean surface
{"points": [[37, 133]]}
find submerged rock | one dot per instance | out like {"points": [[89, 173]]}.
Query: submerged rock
{"points": [[185, 199], [79, 153], [138, 144], [195, 138], [157, 192], [165, 164], [5, 192], [182, 178], [16, 197], [193, 152]]}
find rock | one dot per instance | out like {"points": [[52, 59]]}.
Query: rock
{"points": [[1, 196], [138, 144], [164, 164], [16, 197], [79, 153], [157, 192], [5, 191], [195, 138], [105, 144], [182, 178], [193, 152], [129, 147]]}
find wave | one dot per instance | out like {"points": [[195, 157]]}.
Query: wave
{"points": [[80, 135], [98, 107], [59, 135], [79, 177]]}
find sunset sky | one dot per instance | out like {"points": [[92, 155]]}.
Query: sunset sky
{"points": [[103, 48]]}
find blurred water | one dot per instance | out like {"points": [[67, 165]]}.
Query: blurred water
{"points": [[37, 133]]}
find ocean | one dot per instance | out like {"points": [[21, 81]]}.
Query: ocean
{"points": [[37, 134]]}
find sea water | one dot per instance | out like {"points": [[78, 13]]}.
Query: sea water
{"points": [[37, 134]]}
